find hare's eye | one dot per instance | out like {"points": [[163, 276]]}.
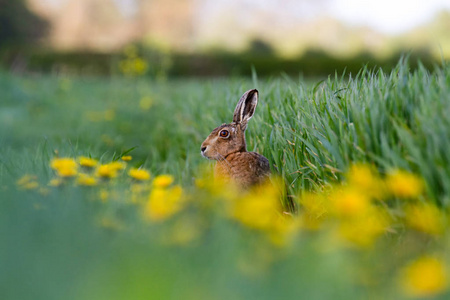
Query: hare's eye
{"points": [[224, 133]]}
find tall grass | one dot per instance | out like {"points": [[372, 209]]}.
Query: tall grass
{"points": [[65, 243]]}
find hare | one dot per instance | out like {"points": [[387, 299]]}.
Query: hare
{"points": [[226, 144]]}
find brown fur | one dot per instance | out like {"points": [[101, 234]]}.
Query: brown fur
{"points": [[234, 162]]}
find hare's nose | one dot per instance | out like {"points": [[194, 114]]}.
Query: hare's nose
{"points": [[203, 149]]}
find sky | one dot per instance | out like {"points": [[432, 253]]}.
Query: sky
{"points": [[388, 16]]}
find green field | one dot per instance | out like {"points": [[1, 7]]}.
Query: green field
{"points": [[365, 157]]}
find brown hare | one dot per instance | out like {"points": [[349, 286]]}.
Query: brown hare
{"points": [[226, 144]]}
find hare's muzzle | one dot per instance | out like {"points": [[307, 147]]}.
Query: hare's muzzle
{"points": [[203, 150]]}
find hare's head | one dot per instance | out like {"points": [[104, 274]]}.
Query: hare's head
{"points": [[230, 138]]}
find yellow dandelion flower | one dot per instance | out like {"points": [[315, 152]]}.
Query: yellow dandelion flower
{"points": [[87, 180], [426, 218], [404, 185], [65, 167], [163, 203], [110, 170], [364, 178], [364, 230], [28, 182], [259, 209], [55, 182], [106, 171], [349, 202], [424, 277], [140, 66], [126, 158], [139, 174], [87, 162], [314, 209], [162, 181], [117, 165]]}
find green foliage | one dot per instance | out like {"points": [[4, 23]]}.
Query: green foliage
{"points": [[18, 25], [56, 245]]}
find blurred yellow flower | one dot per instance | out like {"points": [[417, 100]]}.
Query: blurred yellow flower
{"points": [[106, 171], [425, 277], [404, 185], [110, 170], [162, 181], [133, 66], [259, 208], [87, 180], [65, 167], [139, 174], [126, 158], [314, 209], [28, 182], [348, 201], [87, 162], [55, 182], [364, 178], [163, 203], [425, 217], [363, 231]]}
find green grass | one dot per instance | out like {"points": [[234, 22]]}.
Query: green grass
{"points": [[53, 248]]}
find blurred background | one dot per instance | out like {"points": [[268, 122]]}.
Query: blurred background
{"points": [[169, 38]]}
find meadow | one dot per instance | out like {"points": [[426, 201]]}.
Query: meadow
{"points": [[104, 193]]}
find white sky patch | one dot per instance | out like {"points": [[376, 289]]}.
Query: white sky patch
{"points": [[388, 16], [128, 8]]}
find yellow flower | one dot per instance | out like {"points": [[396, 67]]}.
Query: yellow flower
{"points": [[87, 180], [139, 174], [126, 158], [163, 203], [162, 181], [28, 182], [364, 178], [110, 170], [363, 230], [106, 171], [314, 209], [87, 162], [424, 277], [426, 218], [259, 209], [65, 167], [404, 185], [348, 202], [55, 182]]}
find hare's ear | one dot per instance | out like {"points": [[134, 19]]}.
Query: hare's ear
{"points": [[245, 108]]}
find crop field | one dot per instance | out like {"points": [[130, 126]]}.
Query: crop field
{"points": [[104, 193]]}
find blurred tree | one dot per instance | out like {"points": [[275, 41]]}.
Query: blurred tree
{"points": [[260, 47], [18, 25]]}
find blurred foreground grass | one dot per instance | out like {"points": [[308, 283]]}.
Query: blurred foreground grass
{"points": [[366, 160]]}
